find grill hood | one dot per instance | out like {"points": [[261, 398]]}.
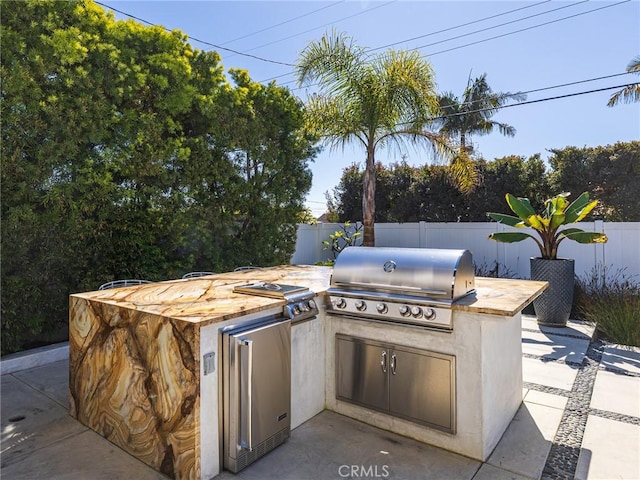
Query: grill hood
{"points": [[438, 274]]}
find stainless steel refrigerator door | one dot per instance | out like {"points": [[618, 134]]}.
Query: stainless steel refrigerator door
{"points": [[263, 365]]}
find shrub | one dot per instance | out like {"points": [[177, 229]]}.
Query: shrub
{"points": [[612, 303]]}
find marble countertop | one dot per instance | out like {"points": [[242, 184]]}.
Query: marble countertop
{"points": [[210, 299], [501, 296]]}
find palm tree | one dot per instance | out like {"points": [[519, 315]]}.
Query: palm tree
{"points": [[630, 93], [468, 116], [369, 99], [472, 114]]}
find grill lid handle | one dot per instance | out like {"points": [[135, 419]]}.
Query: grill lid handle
{"points": [[387, 286]]}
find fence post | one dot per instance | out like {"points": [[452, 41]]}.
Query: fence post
{"points": [[422, 234]]}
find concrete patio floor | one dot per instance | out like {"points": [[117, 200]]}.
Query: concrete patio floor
{"points": [[580, 418]]}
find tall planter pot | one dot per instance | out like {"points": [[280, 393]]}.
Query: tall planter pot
{"points": [[553, 307]]}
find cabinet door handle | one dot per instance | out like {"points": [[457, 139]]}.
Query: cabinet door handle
{"points": [[246, 441], [383, 361], [393, 364]]}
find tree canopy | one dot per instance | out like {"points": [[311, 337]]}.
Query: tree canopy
{"points": [[610, 174], [126, 153]]}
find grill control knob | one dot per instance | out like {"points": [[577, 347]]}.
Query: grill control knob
{"points": [[361, 305], [341, 303], [296, 310], [382, 308], [304, 306], [416, 312], [405, 311], [429, 313], [312, 304]]}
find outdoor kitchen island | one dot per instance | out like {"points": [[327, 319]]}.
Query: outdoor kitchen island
{"points": [[145, 363]]}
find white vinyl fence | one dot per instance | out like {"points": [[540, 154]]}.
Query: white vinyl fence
{"points": [[621, 252]]}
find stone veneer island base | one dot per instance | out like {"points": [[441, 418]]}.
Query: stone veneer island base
{"points": [[137, 377]]}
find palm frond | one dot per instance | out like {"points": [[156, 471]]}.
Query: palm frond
{"points": [[630, 93]]}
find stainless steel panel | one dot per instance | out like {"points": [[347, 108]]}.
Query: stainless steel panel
{"points": [[414, 384], [361, 373], [257, 391], [443, 274], [390, 309], [422, 387]]}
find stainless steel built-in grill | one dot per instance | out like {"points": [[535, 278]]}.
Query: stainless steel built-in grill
{"points": [[414, 286]]}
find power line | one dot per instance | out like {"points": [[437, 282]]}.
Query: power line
{"points": [[522, 29], [503, 24], [434, 33], [285, 22], [465, 25], [552, 87], [491, 38], [527, 102], [321, 26], [204, 42]]}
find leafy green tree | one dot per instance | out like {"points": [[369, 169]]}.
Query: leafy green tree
{"points": [[126, 153], [369, 99], [526, 177], [346, 199], [630, 93], [609, 173], [270, 151], [89, 143]]}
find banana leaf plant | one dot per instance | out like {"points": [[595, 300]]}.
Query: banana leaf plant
{"points": [[557, 213]]}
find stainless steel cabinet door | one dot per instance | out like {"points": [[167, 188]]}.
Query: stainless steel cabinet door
{"points": [[362, 373], [422, 387]]}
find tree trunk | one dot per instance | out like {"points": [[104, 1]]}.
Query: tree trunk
{"points": [[369, 199]]}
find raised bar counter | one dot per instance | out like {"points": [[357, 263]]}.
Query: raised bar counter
{"points": [[136, 369]]}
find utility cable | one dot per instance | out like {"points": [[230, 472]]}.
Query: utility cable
{"points": [[236, 52], [490, 38], [321, 26], [285, 22], [470, 23], [552, 87], [467, 24], [527, 102], [502, 25], [455, 27], [522, 29]]}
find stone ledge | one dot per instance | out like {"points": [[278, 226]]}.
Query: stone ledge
{"points": [[35, 357]]}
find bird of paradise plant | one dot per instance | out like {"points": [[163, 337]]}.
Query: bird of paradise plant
{"points": [[557, 213]]}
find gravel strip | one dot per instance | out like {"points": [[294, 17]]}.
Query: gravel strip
{"points": [[620, 417], [565, 450], [545, 389]]}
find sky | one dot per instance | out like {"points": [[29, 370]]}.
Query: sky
{"points": [[521, 46]]}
